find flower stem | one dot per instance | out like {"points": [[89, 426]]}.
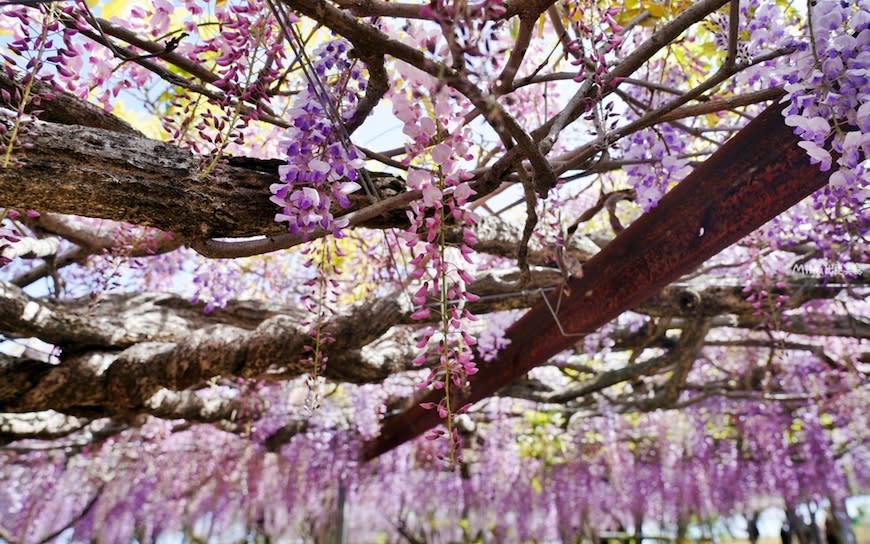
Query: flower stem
{"points": [[445, 322]]}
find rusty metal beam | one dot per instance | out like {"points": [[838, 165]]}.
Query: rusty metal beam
{"points": [[752, 178]]}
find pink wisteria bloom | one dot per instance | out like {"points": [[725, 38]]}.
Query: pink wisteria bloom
{"points": [[431, 196]]}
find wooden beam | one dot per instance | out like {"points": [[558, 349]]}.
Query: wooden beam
{"points": [[752, 178]]}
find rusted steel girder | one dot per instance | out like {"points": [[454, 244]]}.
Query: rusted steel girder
{"points": [[755, 176]]}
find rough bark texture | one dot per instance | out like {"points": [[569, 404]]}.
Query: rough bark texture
{"points": [[100, 173], [128, 354], [124, 177], [118, 356]]}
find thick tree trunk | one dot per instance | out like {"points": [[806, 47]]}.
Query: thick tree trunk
{"points": [[841, 523]]}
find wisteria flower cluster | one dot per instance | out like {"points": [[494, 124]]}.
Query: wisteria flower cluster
{"points": [[247, 56], [251, 56], [829, 103], [214, 285], [767, 304], [658, 163], [443, 294], [444, 197], [321, 164], [599, 35], [34, 43], [319, 298]]}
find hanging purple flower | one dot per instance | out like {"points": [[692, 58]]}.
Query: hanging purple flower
{"points": [[321, 168]]}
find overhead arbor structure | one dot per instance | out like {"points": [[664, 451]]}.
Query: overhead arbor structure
{"points": [[600, 274]]}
